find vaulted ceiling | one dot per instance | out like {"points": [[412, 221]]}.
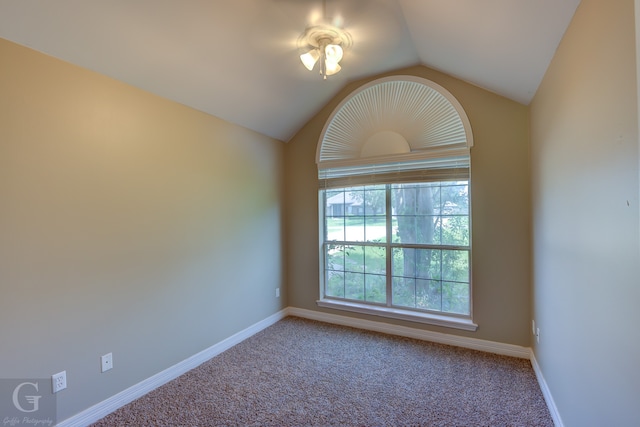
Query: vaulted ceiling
{"points": [[238, 59]]}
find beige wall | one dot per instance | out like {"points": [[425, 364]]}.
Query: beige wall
{"points": [[128, 224], [586, 275], [500, 204]]}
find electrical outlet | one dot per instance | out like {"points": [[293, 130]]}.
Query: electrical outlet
{"points": [[277, 292], [107, 362], [538, 335], [59, 381]]}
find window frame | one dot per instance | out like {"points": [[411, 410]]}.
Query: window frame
{"points": [[387, 309]]}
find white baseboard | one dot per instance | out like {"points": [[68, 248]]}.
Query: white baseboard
{"points": [[472, 343], [109, 405], [551, 404]]}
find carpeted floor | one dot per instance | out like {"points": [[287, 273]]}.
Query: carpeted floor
{"points": [[304, 373]]}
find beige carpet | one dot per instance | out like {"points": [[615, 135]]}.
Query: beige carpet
{"points": [[305, 373]]}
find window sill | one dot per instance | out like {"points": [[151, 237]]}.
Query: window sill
{"points": [[395, 313]]}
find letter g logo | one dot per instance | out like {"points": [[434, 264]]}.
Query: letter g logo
{"points": [[31, 399]]}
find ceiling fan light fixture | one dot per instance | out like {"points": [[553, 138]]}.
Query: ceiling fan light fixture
{"points": [[324, 44]]}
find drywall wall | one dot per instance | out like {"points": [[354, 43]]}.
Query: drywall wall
{"points": [[128, 224], [586, 275], [500, 204]]}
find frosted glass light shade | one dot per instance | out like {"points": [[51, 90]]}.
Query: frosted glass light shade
{"points": [[310, 58], [331, 68], [333, 53]]}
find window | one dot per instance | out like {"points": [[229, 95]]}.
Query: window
{"points": [[394, 197], [399, 246]]}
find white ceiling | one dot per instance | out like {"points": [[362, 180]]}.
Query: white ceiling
{"points": [[238, 59]]}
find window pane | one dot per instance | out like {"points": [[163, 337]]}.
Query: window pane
{"points": [[375, 259], [354, 286], [376, 288], [429, 294], [455, 198], [354, 228], [405, 229], [455, 297], [403, 263], [354, 259], [334, 256], [375, 200], [404, 291], [403, 199], [455, 230], [426, 230], [354, 201], [455, 266], [334, 284], [334, 215], [428, 264], [334, 203], [376, 228], [334, 229]]}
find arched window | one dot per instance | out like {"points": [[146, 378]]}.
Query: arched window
{"points": [[393, 171]]}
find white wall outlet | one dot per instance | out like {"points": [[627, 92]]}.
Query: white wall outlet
{"points": [[277, 292], [107, 362], [59, 381], [538, 335]]}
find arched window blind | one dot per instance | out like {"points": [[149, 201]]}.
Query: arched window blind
{"points": [[394, 129]]}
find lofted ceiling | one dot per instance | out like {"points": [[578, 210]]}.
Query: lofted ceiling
{"points": [[238, 59]]}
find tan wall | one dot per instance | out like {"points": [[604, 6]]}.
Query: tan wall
{"points": [[500, 204], [128, 224], [585, 169]]}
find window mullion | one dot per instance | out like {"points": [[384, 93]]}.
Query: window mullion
{"points": [[389, 218]]}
